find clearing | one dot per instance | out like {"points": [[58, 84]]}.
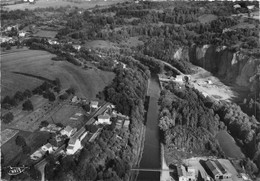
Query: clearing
{"points": [[211, 86], [100, 44], [207, 18], [61, 3], [38, 63], [46, 34], [228, 145]]}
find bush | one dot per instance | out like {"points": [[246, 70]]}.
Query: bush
{"points": [[44, 123], [7, 118], [64, 96], [27, 105], [20, 141]]}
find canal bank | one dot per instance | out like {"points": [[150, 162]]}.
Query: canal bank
{"points": [[151, 158]]}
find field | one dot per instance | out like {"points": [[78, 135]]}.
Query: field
{"points": [[228, 145], [13, 154], [38, 63], [99, 44], [45, 33], [207, 18], [64, 115], [59, 3]]}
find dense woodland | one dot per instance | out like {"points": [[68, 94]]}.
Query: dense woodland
{"points": [[190, 121]]}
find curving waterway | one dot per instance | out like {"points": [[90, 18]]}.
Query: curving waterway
{"points": [[151, 153]]}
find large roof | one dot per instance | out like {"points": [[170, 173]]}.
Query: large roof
{"points": [[77, 135], [212, 168], [68, 128]]}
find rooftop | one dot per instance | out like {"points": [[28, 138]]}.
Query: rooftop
{"points": [[77, 135], [104, 116]]}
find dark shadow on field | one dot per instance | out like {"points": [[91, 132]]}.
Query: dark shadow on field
{"points": [[34, 76]]}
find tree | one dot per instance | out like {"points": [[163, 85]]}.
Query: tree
{"points": [[20, 141], [7, 118], [27, 105], [44, 123], [19, 96], [27, 93], [52, 97]]}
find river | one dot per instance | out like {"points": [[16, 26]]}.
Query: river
{"points": [[151, 153]]}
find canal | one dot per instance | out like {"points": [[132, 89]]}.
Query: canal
{"points": [[151, 153]]}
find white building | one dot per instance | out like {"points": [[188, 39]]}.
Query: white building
{"points": [[236, 6], [48, 147], [251, 7], [94, 104], [126, 124], [186, 175], [75, 141], [75, 99], [104, 119], [22, 33], [37, 155], [68, 131], [76, 47]]}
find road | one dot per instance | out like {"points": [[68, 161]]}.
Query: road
{"points": [[41, 165]]}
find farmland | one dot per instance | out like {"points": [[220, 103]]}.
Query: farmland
{"points": [[59, 3], [38, 63]]}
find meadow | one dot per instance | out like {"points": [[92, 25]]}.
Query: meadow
{"points": [[61, 3], [38, 63]]}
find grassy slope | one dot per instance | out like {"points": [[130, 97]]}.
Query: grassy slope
{"points": [[35, 62]]}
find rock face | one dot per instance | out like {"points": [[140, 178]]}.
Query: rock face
{"points": [[233, 67]]}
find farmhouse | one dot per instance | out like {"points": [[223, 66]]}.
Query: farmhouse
{"points": [[186, 174], [76, 47], [48, 147], [94, 104], [75, 141], [103, 119], [68, 131]]}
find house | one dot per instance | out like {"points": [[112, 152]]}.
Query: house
{"points": [[94, 104], [75, 141], [53, 42], [186, 174], [119, 124], [104, 119], [236, 6], [22, 33], [126, 124], [216, 170], [75, 99], [5, 39], [76, 47], [251, 7], [68, 131], [37, 155], [48, 147]]}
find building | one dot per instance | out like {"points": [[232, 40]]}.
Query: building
{"points": [[75, 99], [37, 155], [236, 6], [251, 7], [186, 174], [126, 124], [94, 104], [75, 141], [22, 33], [216, 170], [68, 131], [48, 147], [119, 123], [104, 119], [76, 47]]}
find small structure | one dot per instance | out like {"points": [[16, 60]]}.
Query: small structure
{"points": [[68, 131], [251, 7], [94, 104], [75, 141], [126, 124], [53, 42], [75, 99], [48, 147], [104, 119], [186, 174], [76, 47], [119, 124], [236, 6], [22, 33], [37, 155]]}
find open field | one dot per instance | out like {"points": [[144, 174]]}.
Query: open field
{"points": [[99, 44], [228, 145], [45, 33], [207, 18], [7, 134], [38, 63], [13, 154], [64, 114], [59, 3]]}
